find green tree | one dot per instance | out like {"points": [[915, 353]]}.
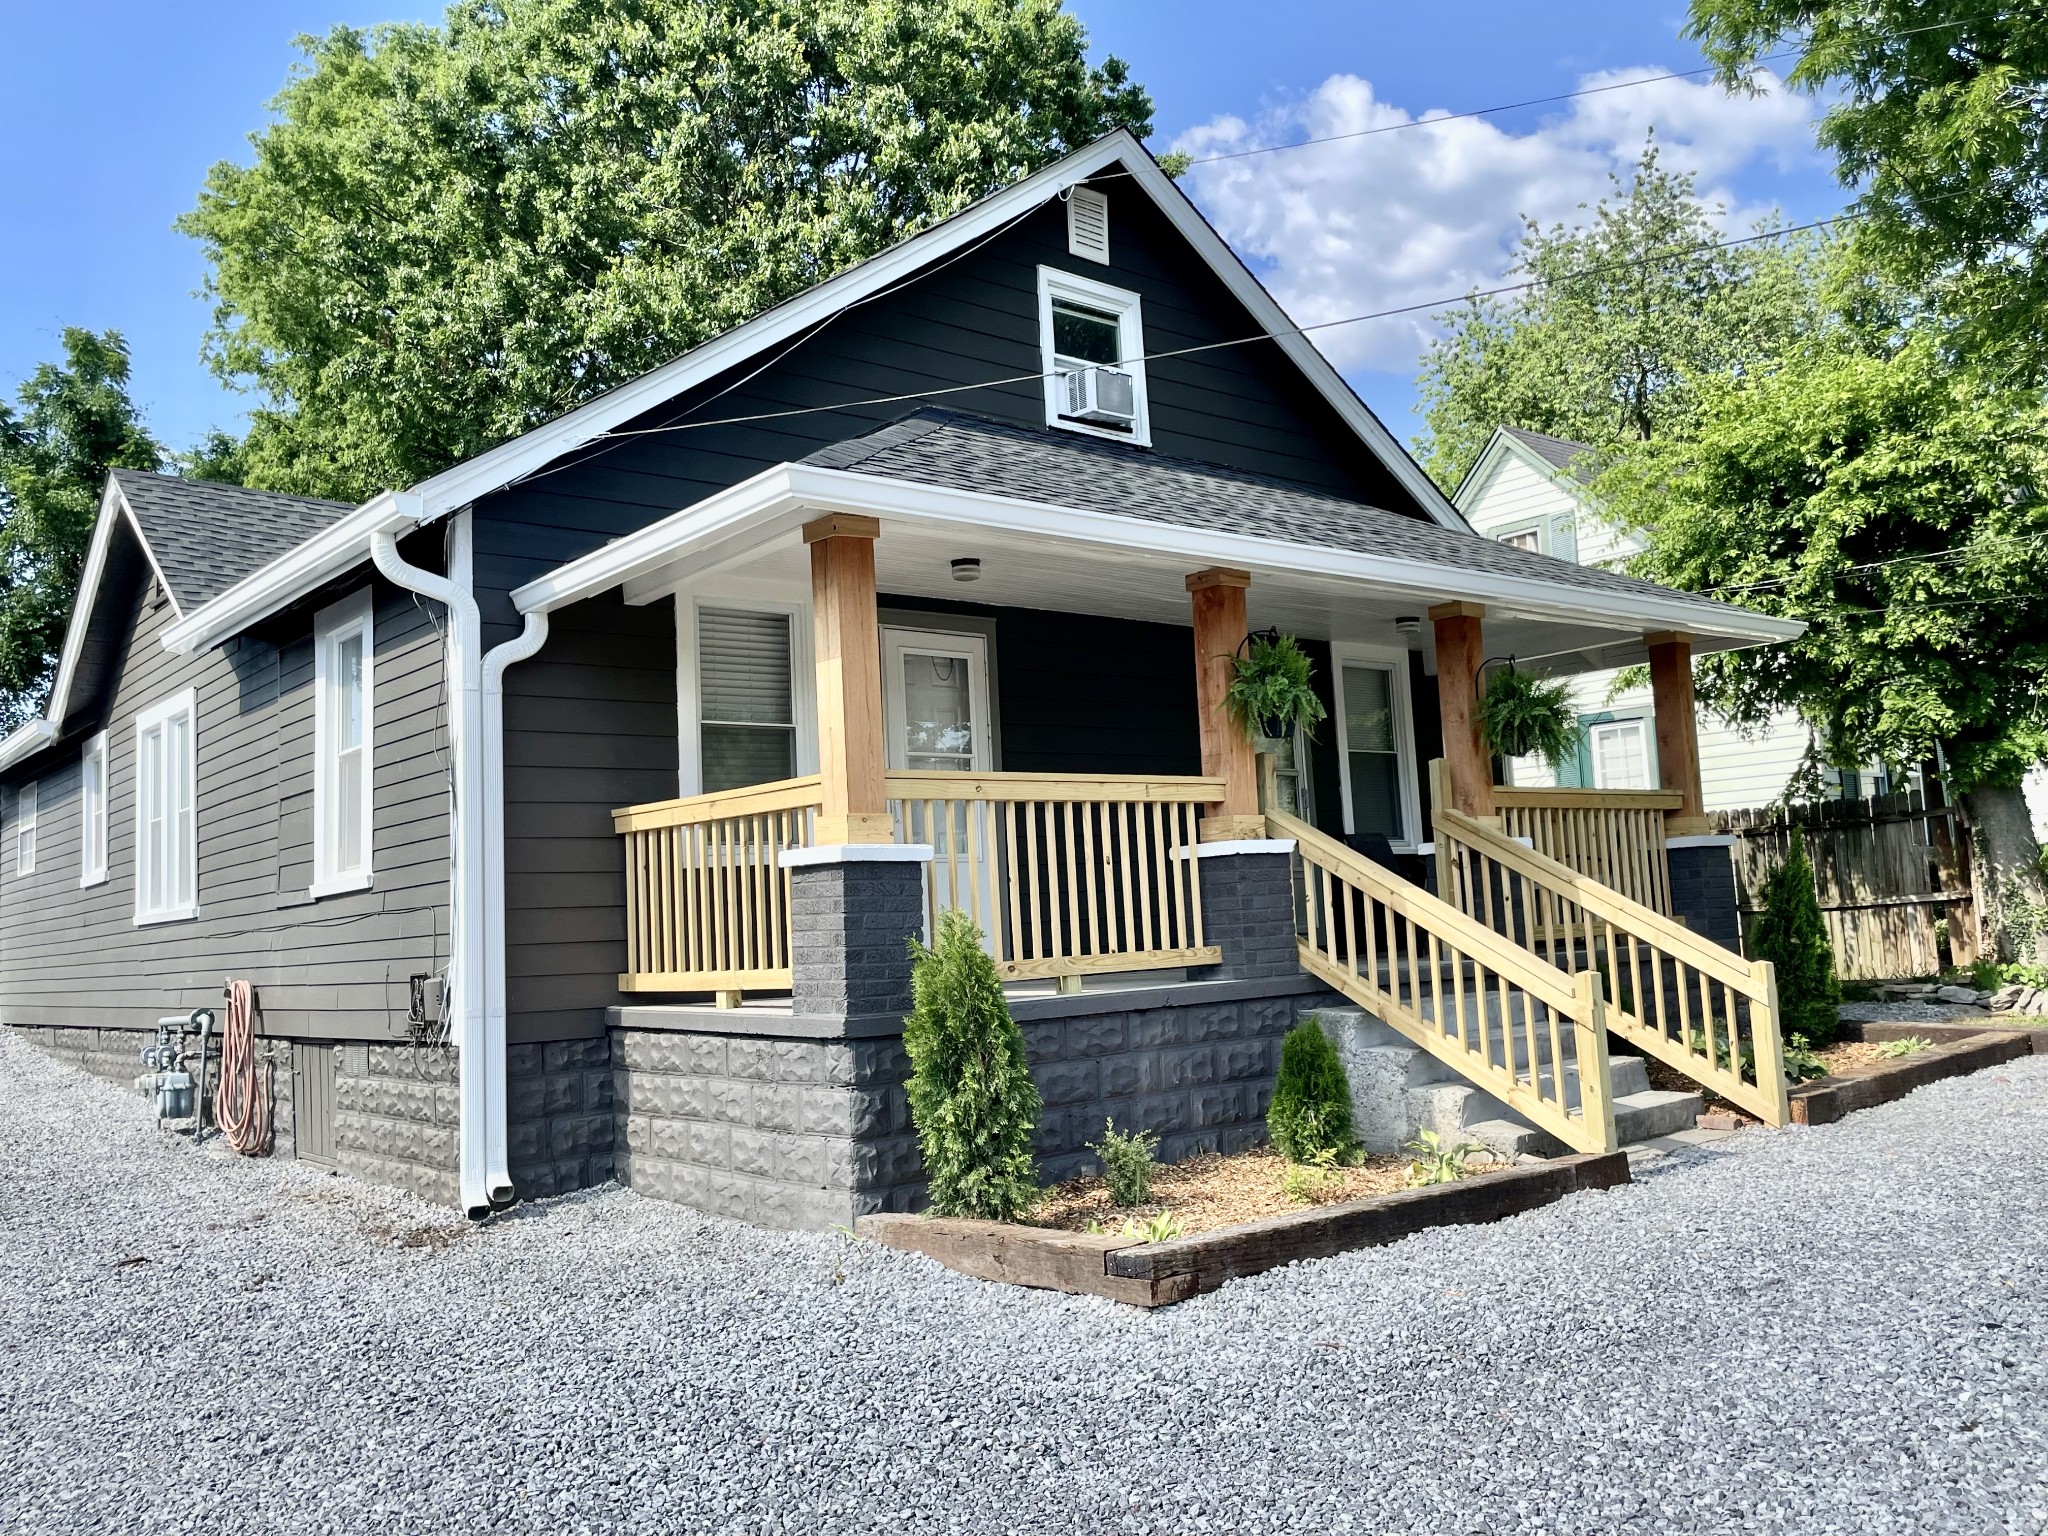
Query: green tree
{"points": [[1935, 119], [1630, 308], [1311, 1111], [1895, 506], [74, 424], [1791, 933], [451, 234], [971, 1094]]}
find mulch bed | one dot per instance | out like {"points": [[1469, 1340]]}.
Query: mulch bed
{"points": [[1212, 1191]]}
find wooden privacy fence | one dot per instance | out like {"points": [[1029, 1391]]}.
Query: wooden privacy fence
{"points": [[707, 900], [1682, 999], [1614, 836], [1474, 1000], [1886, 869], [1065, 875]]}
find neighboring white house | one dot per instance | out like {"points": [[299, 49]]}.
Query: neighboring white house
{"points": [[1528, 490]]}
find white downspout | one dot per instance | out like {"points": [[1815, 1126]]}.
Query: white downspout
{"points": [[529, 640], [480, 1191]]}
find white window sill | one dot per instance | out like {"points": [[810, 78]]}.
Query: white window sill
{"points": [[90, 880], [339, 885], [1140, 436], [168, 915]]}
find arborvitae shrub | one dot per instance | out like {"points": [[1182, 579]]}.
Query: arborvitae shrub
{"points": [[971, 1095], [1791, 933], [1311, 1113]]}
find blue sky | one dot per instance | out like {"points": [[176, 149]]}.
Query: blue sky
{"points": [[114, 109]]}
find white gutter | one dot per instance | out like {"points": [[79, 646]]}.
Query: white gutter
{"points": [[529, 640], [480, 1191], [32, 737]]}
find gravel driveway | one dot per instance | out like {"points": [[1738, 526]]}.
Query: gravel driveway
{"points": [[1832, 1330]]}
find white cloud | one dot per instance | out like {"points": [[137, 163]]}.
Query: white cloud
{"points": [[1408, 217]]}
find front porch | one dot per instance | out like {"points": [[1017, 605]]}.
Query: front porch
{"points": [[861, 750]]}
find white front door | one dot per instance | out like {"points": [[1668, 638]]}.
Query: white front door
{"points": [[935, 708], [935, 700]]}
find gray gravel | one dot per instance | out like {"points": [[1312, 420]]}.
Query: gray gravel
{"points": [[1903, 1012], [1833, 1330]]}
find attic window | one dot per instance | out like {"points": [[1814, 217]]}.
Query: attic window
{"points": [[1092, 349], [1088, 225]]}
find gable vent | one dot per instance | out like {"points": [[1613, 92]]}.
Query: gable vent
{"points": [[1088, 225]]}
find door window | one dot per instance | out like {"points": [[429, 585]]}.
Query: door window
{"points": [[1372, 751], [937, 701]]}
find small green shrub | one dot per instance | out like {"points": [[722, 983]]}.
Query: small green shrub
{"points": [[1896, 1050], [1987, 975], [1801, 1062], [1792, 935], [971, 1095], [1272, 689], [1311, 1111], [1126, 1163], [1436, 1162], [1521, 715]]}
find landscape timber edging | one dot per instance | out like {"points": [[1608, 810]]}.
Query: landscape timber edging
{"points": [[1143, 1274], [1958, 1051], [1878, 1030]]}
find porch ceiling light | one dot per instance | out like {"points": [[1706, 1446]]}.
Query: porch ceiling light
{"points": [[1408, 626], [968, 568]]}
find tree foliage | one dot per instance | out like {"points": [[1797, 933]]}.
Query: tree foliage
{"points": [[971, 1094], [1791, 933], [75, 422], [1935, 118], [451, 234], [1632, 306]]}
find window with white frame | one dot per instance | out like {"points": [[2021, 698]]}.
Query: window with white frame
{"points": [[1530, 539], [92, 811], [344, 645], [746, 701], [166, 834], [1092, 350], [25, 830], [1620, 750], [1376, 746]]}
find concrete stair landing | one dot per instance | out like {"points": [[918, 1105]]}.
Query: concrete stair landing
{"points": [[1398, 1089]]}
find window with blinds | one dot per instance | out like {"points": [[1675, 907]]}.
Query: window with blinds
{"points": [[746, 706]]}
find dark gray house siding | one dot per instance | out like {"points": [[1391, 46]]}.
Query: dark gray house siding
{"points": [[1243, 406], [335, 969]]}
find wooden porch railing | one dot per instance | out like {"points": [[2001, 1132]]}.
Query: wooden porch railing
{"points": [[707, 902], [1066, 875], [1682, 999], [1521, 1030], [1613, 836]]}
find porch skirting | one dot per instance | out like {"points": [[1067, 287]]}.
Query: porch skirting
{"points": [[800, 1121]]}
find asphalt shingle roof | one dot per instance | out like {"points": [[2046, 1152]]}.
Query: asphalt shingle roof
{"points": [[206, 537], [1557, 452], [970, 453]]}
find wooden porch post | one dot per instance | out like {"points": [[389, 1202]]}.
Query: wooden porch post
{"points": [[1678, 742], [1218, 601], [1460, 652], [847, 638]]}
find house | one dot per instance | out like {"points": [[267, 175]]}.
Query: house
{"points": [[569, 810], [1528, 489]]}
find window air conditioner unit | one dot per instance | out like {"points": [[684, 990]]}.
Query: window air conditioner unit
{"points": [[1104, 396]]}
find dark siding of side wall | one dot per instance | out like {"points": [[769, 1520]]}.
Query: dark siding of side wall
{"points": [[335, 969], [590, 726], [974, 319]]}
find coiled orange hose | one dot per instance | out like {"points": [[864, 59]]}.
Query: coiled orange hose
{"points": [[241, 1107]]}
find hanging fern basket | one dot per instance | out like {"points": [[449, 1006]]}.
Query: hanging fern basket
{"points": [[1272, 692], [1522, 715]]}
